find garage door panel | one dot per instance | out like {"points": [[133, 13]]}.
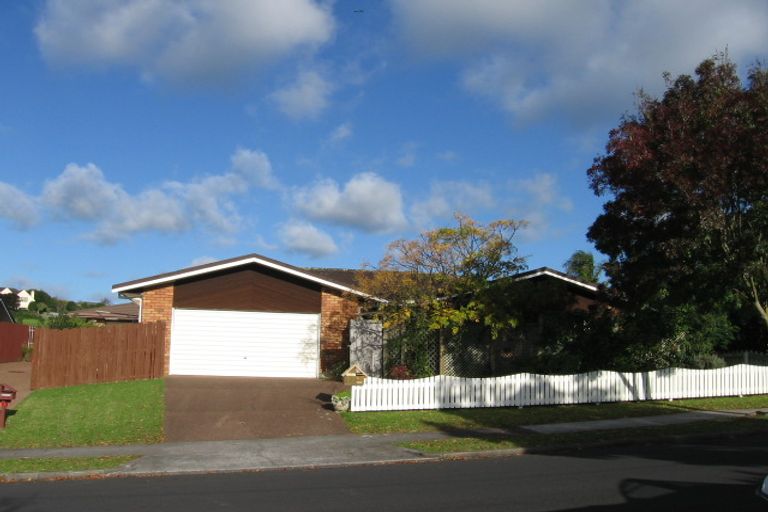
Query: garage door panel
{"points": [[237, 343]]}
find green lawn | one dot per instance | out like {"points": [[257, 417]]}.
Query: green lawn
{"points": [[510, 417], [88, 415], [524, 439], [61, 464]]}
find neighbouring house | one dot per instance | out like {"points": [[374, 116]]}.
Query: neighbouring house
{"points": [[25, 297], [110, 313], [542, 297], [538, 296], [250, 316], [583, 296]]}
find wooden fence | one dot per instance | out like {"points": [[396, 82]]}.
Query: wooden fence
{"points": [[523, 389], [13, 338], [97, 354]]}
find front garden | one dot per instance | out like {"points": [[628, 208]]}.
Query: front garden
{"points": [[88, 415]]}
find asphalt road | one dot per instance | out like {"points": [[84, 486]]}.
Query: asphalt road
{"points": [[721, 476]]}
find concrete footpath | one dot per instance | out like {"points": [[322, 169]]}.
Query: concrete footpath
{"points": [[312, 452]]}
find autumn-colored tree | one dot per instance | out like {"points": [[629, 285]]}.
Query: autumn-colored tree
{"points": [[687, 181], [445, 277]]}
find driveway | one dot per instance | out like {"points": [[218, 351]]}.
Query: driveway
{"points": [[226, 408], [17, 375]]}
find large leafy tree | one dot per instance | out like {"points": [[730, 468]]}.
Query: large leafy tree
{"points": [[582, 266], [444, 279], [687, 184]]}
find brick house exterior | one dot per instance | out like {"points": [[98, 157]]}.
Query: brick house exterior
{"points": [[254, 283], [336, 313], [157, 305]]}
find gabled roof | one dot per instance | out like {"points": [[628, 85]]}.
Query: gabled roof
{"points": [[338, 279], [127, 312], [548, 272]]}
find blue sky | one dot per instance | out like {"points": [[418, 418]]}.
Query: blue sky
{"points": [[143, 136]]}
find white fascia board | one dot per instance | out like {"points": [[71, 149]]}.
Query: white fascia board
{"points": [[238, 263], [558, 276]]}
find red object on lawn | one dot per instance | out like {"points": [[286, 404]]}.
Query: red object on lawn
{"points": [[7, 395]]}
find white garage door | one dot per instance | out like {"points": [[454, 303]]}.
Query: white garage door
{"points": [[240, 343]]}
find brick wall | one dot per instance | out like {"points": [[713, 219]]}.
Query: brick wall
{"points": [[337, 311], [157, 304]]}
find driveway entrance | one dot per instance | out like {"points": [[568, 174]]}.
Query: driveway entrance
{"points": [[227, 408]]}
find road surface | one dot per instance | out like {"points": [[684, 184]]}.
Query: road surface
{"points": [[718, 476]]}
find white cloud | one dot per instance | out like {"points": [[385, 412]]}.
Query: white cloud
{"points": [[341, 132], [305, 238], [202, 260], [367, 202], [16, 206], [448, 156], [184, 41], [448, 197], [81, 192], [579, 59], [255, 167], [84, 193], [260, 242], [535, 200], [150, 211], [407, 155], [307, 97], [543, 189]]}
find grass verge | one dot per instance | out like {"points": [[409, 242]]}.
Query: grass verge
{"points": [[61, 464], [386, 422], [635, 435], [88, 415]]}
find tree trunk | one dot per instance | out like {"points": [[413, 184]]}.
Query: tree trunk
{"points": [[759, 306]]}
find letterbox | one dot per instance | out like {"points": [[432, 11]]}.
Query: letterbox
{"points": [[7, 395]]}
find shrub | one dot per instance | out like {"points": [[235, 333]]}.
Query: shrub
{"points": [[400, 372], [65, 322], [335, 371], [706, 362]]}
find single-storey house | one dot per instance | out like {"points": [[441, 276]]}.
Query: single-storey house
{"points": [[249, 316], [110, 313]]}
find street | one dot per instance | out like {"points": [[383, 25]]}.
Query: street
{"points": [[721, 475]]}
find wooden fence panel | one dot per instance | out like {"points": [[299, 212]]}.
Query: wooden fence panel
{"points": [[523, 389], [91, 355], [13, 338]]}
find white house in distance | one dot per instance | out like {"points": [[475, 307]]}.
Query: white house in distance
{"points": [[25, 297]]}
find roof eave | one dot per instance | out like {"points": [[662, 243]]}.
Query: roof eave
{"points": [[544, 271], [136, 286]]}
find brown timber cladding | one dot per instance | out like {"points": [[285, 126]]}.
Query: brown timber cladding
{"points": [[98, 354], [249, 289], [13, 337]]}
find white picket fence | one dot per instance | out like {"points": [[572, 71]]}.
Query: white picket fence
{"points": [[523, 389]]}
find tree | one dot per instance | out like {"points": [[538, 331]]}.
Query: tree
{"points": [[581, 265], [687, 177], [43, 298], [11, 301], [445, 278]]}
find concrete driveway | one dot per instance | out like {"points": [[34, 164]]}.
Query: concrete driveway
{"points": [[227, 408]]}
